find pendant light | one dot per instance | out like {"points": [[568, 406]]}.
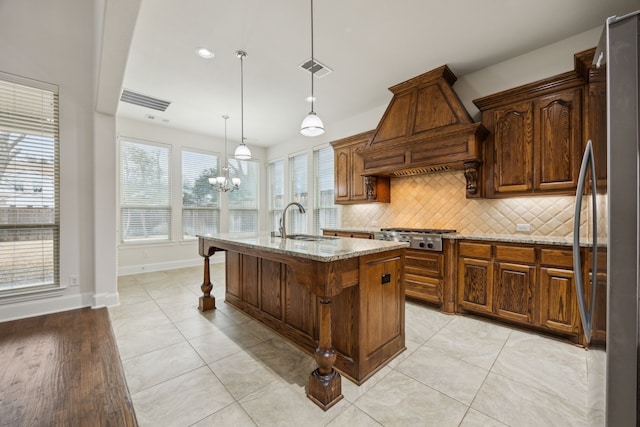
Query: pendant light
{"points": [[242, 151], [224, 183], [312, 125]]}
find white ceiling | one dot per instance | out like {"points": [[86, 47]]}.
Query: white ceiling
{"points": [[370, 44]]}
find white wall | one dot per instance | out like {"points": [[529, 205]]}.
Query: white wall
{"points": [[56, 42], [144, 257]]}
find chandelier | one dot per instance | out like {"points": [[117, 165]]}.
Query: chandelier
{"points": [[224, 183]]}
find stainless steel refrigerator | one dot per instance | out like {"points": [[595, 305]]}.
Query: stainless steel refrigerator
{"points": [[618, 387]]}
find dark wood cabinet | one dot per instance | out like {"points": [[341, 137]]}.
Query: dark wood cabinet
{"points": [[558, 309], [538, 132], [527, 284], [558, 303], [350, 186], [424, 275], [512, 153], [558, 141], [514, 292], [475, 277]]}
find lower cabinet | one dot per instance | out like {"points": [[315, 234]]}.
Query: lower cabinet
{"points": [[424, 275], [530, 285]]}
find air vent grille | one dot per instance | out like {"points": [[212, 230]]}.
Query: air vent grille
{"points": [[319, 70], [144, 100], [420, 171]]}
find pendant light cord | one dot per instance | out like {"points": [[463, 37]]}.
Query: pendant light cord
{"points": [[242, 98], [313, 62]]}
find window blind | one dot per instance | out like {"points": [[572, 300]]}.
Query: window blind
{"points": [[145, 193], [200, 201], [276, 192], [29, 185], [298, 178], [325, 212], [243, 203]]}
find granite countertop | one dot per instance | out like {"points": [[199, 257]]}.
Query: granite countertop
{"points": [[326, 249], [508, 238]]}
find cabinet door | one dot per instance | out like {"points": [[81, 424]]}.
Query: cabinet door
{"points": [[342, 167], [382, 293], [513, 149], [596, 123], [558, 306], [358, 187], [515, 292], [558, 141], [475, 284]]}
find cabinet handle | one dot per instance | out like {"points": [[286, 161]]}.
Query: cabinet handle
{"points": [[586, 313], [385, 278]]}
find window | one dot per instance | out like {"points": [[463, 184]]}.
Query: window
{"points": [[29, 185], [145, 195], [276, 193], [200, 201], [325, 213], [298, 174], [243, 203]]}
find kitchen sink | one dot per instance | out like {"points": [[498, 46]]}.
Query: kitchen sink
{"points": [[310, 238]]}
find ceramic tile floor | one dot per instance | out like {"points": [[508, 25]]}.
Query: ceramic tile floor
{"points": [[222, 368]]}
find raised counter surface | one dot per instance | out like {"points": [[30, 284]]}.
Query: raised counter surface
{"points": [[326, 249]]}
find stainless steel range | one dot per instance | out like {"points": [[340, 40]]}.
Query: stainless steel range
{"points": [[418, 238]]}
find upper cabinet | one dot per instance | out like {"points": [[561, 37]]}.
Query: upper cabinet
{"points": [[350, 186], [537, 132]]}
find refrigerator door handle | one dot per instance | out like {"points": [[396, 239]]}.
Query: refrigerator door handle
{"points": [[586, 312]]}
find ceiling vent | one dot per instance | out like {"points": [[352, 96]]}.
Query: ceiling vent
{"points": [[144, 100], [319, 70]]}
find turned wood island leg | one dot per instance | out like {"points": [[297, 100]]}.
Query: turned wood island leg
{"points": [[206, 301], [325, 387]]}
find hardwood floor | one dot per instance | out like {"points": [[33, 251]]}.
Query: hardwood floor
{"points": [[62, 369]]}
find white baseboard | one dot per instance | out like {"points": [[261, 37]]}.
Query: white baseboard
{"points": [[170, 265], [105, 300], [42, 306]]}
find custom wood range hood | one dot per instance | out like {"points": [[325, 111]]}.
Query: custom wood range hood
{"points": [[426, 129]]}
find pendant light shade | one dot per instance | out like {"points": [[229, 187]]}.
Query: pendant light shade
{"points": [[242, 152], [312, 125]]}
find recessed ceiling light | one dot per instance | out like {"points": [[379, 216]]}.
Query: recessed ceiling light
{"points": [[205, 53], [310, 99]]}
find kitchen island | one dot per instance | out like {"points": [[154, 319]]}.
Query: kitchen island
{"points": [[340, 299]]}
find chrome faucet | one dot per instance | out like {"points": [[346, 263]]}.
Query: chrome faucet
{"points": [[283, 228]]}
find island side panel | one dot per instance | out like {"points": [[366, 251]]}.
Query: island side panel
{"points": [[272, 279], [382, 310]]}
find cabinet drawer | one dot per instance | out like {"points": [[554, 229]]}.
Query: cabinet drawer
{"points": [[423, 263], [475, 250], [516, 253], [556, 257]]}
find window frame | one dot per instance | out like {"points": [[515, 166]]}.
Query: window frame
{"points": [[34, 99], [216, 208], [169, 208]]}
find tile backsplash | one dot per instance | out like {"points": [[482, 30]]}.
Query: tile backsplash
{"points": [[438, 201]]}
